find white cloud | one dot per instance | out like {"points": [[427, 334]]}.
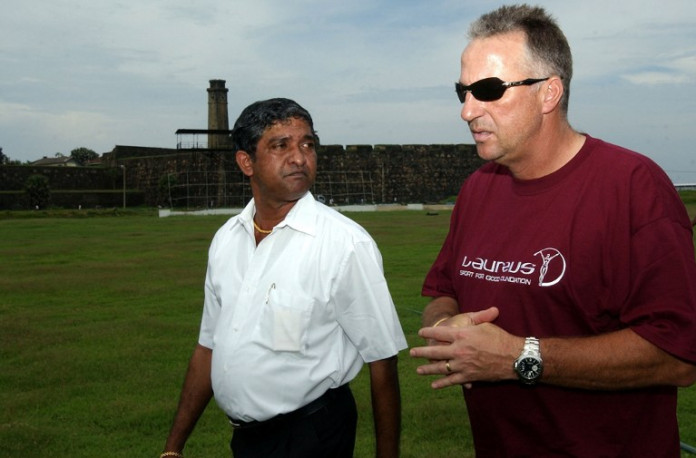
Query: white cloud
{"points": [[656, 78], [99, 73], [686, 65], [64, 127]]}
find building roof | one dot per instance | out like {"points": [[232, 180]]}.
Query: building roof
{"points": [[60, 161]]}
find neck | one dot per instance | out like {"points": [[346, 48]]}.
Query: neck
{"points": [[269, 214], [549, 153], [258, 228]]}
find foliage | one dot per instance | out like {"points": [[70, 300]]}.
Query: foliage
{"points": [[168, 189], [83, 155], [38, 191], [5, 159]]}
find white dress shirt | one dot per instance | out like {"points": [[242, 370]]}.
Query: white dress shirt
{"points": [[296, 315]]}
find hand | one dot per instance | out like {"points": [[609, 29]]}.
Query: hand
{"points": [[464, 319], [472, 318], [470, 348]]}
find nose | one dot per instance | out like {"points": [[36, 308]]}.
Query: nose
{"points": [[297, 155], [471, 108]]}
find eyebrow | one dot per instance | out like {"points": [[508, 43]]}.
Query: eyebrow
{"points": [[288, 137]]}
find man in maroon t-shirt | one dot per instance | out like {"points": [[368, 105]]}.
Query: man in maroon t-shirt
{"points": [[564, 296]]}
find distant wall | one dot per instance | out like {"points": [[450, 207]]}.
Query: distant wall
{"points": [[13, 177], [207, 178], [70, 187], [346, 175], [403, 173]]}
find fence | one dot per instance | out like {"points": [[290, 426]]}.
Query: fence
{"points": [[230, 188]]}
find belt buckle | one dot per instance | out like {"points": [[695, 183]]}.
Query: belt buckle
{"points": [[234, 425]]}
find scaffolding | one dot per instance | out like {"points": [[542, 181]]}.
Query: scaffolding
{"points": [[344, 188], [230, 188]]}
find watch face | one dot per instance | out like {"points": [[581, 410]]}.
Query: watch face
{"points": [[529, 368]]}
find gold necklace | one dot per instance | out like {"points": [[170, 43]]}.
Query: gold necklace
{"points": [[256, 226]]}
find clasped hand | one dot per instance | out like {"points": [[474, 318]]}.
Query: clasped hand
{"points": [[467, 348]]}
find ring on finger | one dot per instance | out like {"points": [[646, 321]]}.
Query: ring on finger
{"points": [[447, 367]]}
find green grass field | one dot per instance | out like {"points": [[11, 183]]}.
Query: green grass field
{"points": [[98, 317]]}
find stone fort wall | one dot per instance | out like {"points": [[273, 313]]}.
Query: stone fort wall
{"points": [[210, 178]]}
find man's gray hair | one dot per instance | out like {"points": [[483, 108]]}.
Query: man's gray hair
{"points": [[547, 46]]}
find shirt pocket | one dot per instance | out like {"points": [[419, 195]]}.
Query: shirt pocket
{"points": [[289, 314]]}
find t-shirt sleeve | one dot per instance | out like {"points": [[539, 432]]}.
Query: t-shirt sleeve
{"points": [[661, 306], [438, 281]]}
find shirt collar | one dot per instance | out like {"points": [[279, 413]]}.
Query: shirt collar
{"points": [[301, 217]]}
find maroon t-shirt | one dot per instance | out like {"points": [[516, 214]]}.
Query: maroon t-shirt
{"points": [[600, 245]]}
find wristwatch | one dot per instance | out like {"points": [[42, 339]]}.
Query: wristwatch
{"points": [[529, 364]]}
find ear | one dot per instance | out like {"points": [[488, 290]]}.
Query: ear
{"points": [[244, 162], [552, 91]]}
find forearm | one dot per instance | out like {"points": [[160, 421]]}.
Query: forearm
{"points": [[195, 395], [386, 406], [612, 361], [616, 360]]}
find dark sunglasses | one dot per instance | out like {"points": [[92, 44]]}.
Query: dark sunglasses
{"points": [[489, 89]]}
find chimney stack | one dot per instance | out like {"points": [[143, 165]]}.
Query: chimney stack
{"points": [[217, 114]]}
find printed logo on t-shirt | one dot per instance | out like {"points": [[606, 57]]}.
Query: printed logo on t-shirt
{"points": [[548, 272]]}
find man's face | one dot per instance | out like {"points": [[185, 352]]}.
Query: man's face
{"points": [[285, 162], [504, 128]]}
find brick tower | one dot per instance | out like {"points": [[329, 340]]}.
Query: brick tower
{"points": [[217, 115]]}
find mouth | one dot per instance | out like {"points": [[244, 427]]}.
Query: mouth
{"points": [[295, 173], [479, 134]]}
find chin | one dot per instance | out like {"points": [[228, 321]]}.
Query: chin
{"points": [[297, 194], [487, 154]]}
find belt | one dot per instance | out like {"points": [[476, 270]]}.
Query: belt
{"points": [[302, 412]]}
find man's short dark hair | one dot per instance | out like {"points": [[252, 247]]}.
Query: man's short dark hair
{"points": [[259, 116]]}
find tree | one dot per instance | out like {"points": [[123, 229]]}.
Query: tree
{"points": [[83, 155], [5, 160], [38, 191]]}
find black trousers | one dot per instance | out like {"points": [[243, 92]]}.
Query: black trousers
{"points": [[326, 433]]}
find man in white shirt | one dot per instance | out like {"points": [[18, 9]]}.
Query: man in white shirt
{"points": [[295, 302]]}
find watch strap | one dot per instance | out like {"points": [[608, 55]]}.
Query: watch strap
{"points": [[531, 350], [531, 347]]}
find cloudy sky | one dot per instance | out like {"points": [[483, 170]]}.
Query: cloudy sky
{"points": [[99, 73]]}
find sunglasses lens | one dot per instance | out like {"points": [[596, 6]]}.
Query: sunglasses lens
{"points": [[485, 90], [461, 92]]}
